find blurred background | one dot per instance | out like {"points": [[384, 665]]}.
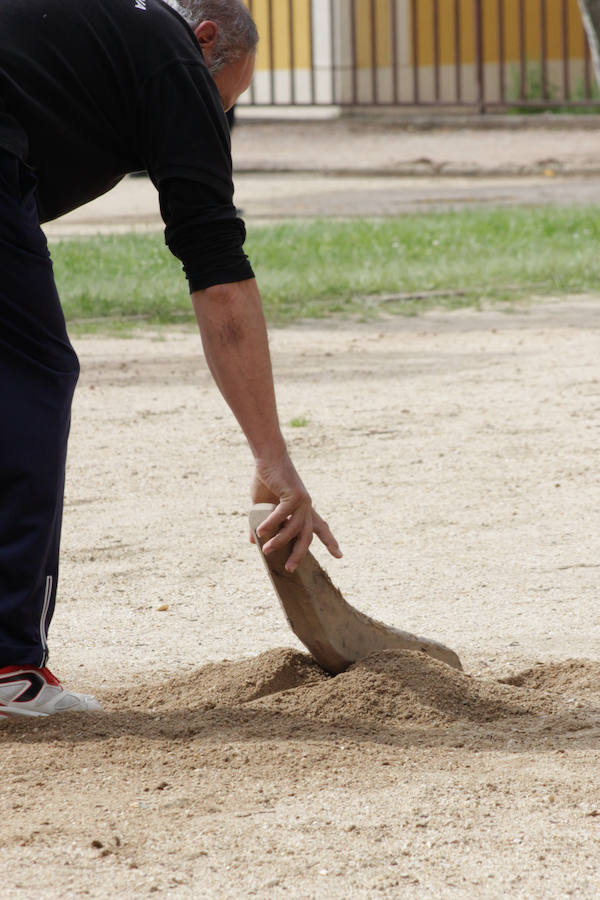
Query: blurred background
{"points": [[508, 55]]}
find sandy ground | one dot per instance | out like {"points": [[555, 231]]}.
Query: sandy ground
{"points": [[455, 457], [367, 145]]}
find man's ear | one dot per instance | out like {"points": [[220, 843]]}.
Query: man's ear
{"points": [[206, 33]]}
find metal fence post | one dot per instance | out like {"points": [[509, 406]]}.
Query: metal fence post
{"points": [[479, 56]]}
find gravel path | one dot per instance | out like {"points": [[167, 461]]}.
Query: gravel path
{"points": [[368, 145]]}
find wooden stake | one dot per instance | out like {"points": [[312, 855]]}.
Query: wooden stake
{"points": [[334, 632]]}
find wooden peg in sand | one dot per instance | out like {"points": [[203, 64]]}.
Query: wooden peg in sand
{"points": [[335, 633]]}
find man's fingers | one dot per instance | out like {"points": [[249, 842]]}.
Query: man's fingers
{"points": [[299, 529], [274, 521], [293, 522], [300, 547], [323, 532], [289, 531]]}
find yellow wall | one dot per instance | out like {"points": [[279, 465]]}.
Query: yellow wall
{"points": [[533, 30], [489, 12], [363, 24], [278, 11]]}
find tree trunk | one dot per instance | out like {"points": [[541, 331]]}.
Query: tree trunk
{"points": [[590, 13]]}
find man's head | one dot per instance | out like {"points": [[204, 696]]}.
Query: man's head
{"points": [[228, 37]]}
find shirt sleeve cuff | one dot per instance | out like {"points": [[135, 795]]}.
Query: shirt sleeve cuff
{"points": [[211, 253]]}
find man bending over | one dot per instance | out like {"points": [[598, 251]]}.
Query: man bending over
{"points": [[89, 91]]}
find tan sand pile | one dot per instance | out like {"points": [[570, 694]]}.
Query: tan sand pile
{"points": [[282, 691], [395, 686], [231, 683], [569, 679], [387, 690]]}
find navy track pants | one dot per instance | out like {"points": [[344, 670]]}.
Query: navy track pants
{"points": [[38, 374]]}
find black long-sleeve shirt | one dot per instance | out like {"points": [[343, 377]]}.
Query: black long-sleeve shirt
{"points": [[93, 89]]}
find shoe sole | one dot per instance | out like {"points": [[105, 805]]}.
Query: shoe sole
{"points": [[7, 711]]}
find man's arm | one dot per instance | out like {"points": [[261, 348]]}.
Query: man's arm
{"points": [[234, 337]]}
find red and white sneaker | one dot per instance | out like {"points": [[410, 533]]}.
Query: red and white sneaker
{"points": [[28, 691]]}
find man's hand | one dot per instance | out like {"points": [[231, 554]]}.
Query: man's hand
{"points": [[293, 519]]}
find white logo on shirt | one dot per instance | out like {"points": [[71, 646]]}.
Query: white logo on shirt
{"points": [[140, 4]]}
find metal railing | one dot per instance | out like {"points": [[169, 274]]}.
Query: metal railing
{"points": [[481, 54]]}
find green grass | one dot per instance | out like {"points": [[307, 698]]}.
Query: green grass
{"points": [[550, 98], [325, 268]]}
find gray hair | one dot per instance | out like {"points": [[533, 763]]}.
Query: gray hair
{"points": [[237, 33]]}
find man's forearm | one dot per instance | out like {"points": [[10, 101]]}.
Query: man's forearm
{"points": [[236, 347]]}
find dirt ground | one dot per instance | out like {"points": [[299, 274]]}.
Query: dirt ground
{"points": [[455, 457], [364, 144]]}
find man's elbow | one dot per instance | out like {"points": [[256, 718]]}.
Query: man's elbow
{"points": [[226, 309], [227, 293]]}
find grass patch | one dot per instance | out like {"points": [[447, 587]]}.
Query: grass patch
{"points": [[551, 99], [358, 268]]}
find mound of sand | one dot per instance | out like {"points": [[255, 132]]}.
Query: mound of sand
{"points": [[232, 683], [395, 697], [568, 679], [386, 688], [395, 686]]}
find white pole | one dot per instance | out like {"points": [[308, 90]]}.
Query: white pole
{"points": [[590, 13]]}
